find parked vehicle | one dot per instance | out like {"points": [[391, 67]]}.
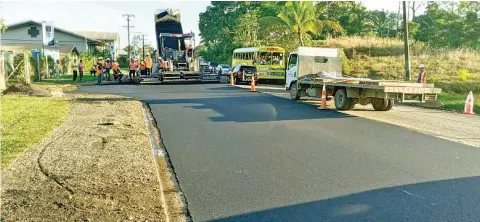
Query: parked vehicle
{"points": [[269, 60], [309, 69], [213, 67], [244, 74], [223, 68], [206, 73]]}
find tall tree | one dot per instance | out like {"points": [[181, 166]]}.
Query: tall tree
{"points": [[380, 23], [299, 17]]}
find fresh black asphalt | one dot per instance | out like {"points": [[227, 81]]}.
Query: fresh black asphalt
{"points": [[242, 156]]}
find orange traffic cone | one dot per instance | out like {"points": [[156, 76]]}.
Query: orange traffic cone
{"points": [[252, 87], [469, 104], [324, 98]]}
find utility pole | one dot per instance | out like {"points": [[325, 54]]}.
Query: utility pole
{"points": [[128, 30], [44, 54], [143, 44], [405, 42]]}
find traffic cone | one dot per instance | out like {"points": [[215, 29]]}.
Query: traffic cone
{"points": [[469, 104], [252, 87], [323, 105]]}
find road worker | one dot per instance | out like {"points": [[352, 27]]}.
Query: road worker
{"points": [[143, 68], [149, 64], [108, 66], [422, 76], [132, 67], [116, 71], [99, 70]]}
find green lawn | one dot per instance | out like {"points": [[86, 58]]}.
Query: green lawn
{"points": [[457, 101], [27, 120], [67, 79]]}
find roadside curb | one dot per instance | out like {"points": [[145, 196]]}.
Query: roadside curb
{"points": [[174, 201]]}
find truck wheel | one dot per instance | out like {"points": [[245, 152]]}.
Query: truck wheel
{"points": [[389, 105], [352, 105], [294, 93], [382, 105], [341, 100]]}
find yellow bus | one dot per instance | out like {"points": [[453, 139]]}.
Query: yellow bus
{"points": [[269, 60]]}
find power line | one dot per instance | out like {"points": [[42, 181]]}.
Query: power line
{"points": [[128, 16]]}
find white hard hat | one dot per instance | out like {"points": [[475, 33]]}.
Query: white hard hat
{"points": [[421, 66], [100, 58]]}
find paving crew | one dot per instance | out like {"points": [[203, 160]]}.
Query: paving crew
{"points": [[116, 71], [132, 67], [422, 76], [161, 63], [99, 70], [108, 66], [149, 64], [143, 68], [102, 66]]}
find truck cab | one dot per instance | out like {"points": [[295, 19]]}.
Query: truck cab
{"points": [[308, 60]]}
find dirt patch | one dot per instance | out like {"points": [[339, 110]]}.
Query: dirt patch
{"points": [[97, 166], [33, 90], [18, 89]]}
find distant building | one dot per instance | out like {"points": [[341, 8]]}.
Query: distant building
{"points": [[27, 35], [106, 37]]}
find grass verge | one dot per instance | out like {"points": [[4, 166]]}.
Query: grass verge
{"points": [[67, 79], [26, 120], [454, 101]]}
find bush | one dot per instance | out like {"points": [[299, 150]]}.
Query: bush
{"points": [[463, 74], [123, 61], [18, 65]]}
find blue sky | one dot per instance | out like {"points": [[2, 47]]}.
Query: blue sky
{"points": [[107, 15]]}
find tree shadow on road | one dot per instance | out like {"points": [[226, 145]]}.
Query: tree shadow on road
{"points": [[252, 107], [444, 200]]}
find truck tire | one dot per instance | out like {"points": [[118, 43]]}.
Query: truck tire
{"points": [[341, 100], [294, 93], [382, 105], [352, 104]]}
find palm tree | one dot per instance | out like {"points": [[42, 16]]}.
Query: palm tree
{"points": [[300, 18], [380, 22]]}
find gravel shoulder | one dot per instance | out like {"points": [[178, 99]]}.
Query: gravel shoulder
{"points": [[96, 166], [452, 126]]}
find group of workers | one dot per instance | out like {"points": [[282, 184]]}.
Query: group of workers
{"points": [[102, 68]]}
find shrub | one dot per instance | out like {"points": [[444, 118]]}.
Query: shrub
{"points": [[463, 74], [18, 65], [123, 61]]}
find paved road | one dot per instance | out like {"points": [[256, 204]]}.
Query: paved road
{"points": [[242, 156]]}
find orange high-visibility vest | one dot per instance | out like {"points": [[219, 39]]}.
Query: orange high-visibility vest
{"points": [[133, 65], [115, 65], [149, 62]]}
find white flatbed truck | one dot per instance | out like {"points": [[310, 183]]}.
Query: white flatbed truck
{"points": [[308, 69]]}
